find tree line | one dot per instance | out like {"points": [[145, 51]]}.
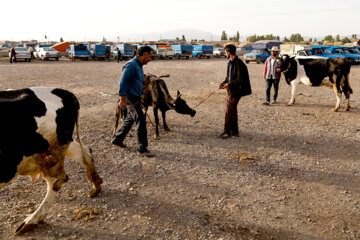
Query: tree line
{"points": [[297, 37]]}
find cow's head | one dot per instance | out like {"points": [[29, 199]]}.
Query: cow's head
{"points": [[288, 66], [181, 106]]}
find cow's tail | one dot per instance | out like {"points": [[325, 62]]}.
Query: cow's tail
{"points": [[118, 112], [87, 160]]}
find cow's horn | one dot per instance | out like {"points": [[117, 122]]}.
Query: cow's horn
{"points": [[166, 75]]}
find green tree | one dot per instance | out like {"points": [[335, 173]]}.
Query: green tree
{"points": [[346, 40], [329, 38], [296, 37], [354, 36], [315, 40], [224, 35], [104, 39], [183, 38], [310, 39], [61, 39], [286, 39], [337, 39], [237, 36], [177, 38]]}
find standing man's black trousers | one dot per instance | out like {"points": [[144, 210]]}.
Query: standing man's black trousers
{"points": [[135, 115], [269, 83], [231, 116]]}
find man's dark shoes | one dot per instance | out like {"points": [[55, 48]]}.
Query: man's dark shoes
{"points": [[118, 143], [235, 135], [224, 136], [145, 153]]}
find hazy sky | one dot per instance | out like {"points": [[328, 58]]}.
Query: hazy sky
{"points": [[86, 20]]}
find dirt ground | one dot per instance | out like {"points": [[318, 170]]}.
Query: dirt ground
{"points": [[294, 172]]}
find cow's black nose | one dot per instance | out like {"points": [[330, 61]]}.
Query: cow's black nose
{"points": [[193, 113]]}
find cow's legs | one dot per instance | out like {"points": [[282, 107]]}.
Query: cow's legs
{"points": [[39, 215], [347, 91], [163, 113], [156, 122], [82, 154], [338, 98], [294, 83]]}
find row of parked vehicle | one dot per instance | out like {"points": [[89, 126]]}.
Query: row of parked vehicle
{"points": [[261, 51], [257, 52], [101, 51]]}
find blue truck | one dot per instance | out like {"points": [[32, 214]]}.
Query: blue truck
{"points": [[98, 51], [80, 51], [338, 51], [127, 50], [182, 50], [354, 52], [261, 51], [203, 51], [323, 51]]}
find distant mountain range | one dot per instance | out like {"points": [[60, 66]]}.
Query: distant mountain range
{"points": [[155, 36], [196, 34]]}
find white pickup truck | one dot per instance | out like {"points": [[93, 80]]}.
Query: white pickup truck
{"points": [[298, 51], [165, 52]]}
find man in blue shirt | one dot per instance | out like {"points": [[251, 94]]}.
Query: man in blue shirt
{"points": [[130, 91]]}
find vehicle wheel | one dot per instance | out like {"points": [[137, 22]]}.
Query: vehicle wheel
{"points": [[177, 56], [43, 58], [208, 57], [187, 57], [29, 60], [258, 60], [57, 59], [246, 61], [352, 61]]}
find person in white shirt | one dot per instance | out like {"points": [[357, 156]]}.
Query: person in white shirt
{"points": [[272, 75]]}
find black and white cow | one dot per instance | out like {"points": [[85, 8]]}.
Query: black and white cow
{"points": [[318, 72], [36, 133]]}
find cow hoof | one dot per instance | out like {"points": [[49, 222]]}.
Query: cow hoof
{"points": [[156, 136], [94, 192], [346, 109], [167, 129], [289, 104], [25, 227], [335, 109]]}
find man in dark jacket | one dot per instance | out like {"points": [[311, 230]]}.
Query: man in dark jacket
{"points": [[237, 84], [12, 55]]}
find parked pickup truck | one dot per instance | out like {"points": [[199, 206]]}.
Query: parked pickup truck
{"points": [[127, 50], [165, 52], [323, 51], [80, 51], [243, 49], [219, 52], [299, 51], [182, 50], [98, 51], [261, 51], [338, 51], [202, 51]]}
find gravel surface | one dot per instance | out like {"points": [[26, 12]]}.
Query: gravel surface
{"points": [[293, 173]]}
